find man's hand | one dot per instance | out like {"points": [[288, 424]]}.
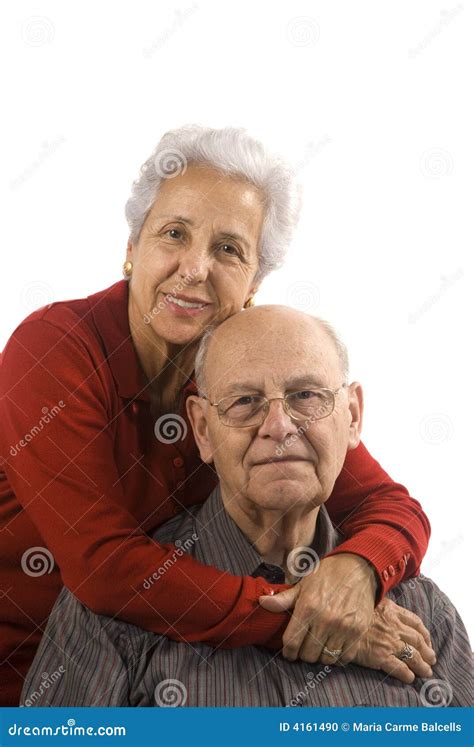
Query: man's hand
{"points": [[393, 626], [333, 608]]}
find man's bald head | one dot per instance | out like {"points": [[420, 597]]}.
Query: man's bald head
{"points": [[273, 331]]}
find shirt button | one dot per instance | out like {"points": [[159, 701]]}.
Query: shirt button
{"points": [[391, 570], [178, 462], [385, 575]]}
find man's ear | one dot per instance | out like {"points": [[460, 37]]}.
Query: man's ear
{"points": [[197, 408], [356, 409]]}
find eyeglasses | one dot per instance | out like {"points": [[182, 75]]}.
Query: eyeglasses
{"points": [[246, 410]]}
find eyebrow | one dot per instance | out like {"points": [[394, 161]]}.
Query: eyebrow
{"points": [[300, 382]]}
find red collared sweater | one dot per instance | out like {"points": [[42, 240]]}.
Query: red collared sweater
{"points": [[84, 479]]}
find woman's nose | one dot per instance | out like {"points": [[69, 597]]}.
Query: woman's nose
{"points": [[195, 263]]}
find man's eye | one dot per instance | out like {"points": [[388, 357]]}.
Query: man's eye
{"points": [[308, 394], [243, 401]]}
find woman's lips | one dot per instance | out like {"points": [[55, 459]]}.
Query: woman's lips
{"points": [[185, 306]]}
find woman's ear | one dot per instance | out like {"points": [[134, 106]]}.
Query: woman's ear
{"points": [[356, 409], [197, 409]]}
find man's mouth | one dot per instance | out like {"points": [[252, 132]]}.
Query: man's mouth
{"points": [[278, 460]]}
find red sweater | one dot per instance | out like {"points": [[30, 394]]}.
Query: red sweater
{"points": [[85, 480]]}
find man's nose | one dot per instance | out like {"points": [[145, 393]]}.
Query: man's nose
{"points": [[277, 425]]}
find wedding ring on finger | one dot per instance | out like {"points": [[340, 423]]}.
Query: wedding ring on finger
{"points": [[407, 652], [334, 653]]}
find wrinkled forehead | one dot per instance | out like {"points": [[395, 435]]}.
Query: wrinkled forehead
{"points": [[272, 358]]}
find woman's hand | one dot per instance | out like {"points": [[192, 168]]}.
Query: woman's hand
{"points": [[333, 607], [392, 626]]}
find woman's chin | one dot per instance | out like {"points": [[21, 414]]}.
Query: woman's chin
{"points": [[179, 333]]}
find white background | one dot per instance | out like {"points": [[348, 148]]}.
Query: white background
{"points": [[372, 101]]}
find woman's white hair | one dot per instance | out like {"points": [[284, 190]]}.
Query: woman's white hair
{"points": [[234, 153]]}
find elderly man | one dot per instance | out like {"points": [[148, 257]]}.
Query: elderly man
{"points": [[276, 417]]}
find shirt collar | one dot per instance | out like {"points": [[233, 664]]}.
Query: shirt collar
{"points": [[109, 310], [223, 545]]}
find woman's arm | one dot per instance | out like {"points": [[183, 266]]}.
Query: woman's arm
{"points": [[387, 537], [66, 479], [379, 519]]}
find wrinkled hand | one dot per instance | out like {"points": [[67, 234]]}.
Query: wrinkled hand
{"points": [[333, 606], [391, 627]]}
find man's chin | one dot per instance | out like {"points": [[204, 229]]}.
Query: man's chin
{"points": [[285, 494]]}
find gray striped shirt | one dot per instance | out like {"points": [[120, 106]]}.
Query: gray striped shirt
{"points": [[86, 659]]}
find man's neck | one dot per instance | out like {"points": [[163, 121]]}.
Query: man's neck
{"points": [[273, 533]]}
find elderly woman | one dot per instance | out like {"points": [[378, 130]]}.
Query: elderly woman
{"points": [[98, 452]]}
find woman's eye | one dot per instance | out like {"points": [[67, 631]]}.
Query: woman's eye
{"points": [[173, 233], [230, 250]]}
